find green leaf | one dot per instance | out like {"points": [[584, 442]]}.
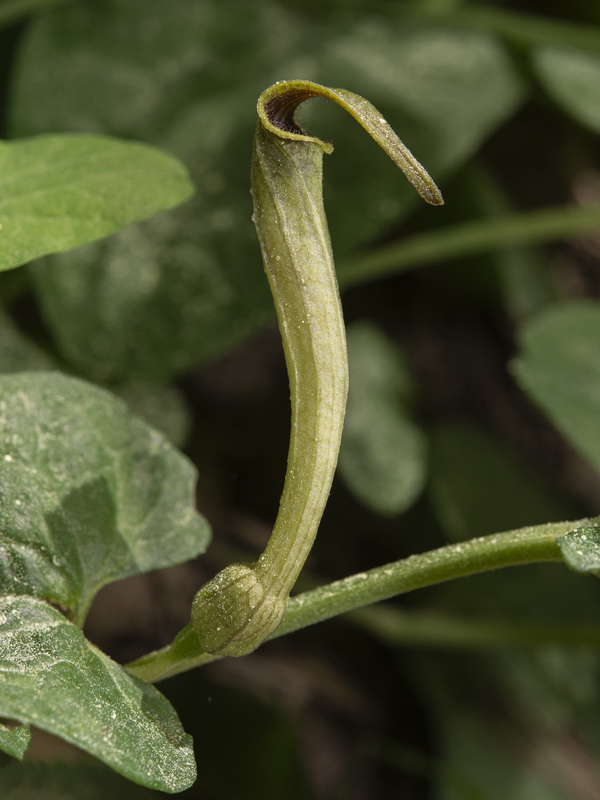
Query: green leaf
{"points": [[481, 761], [59, 192], [160, 405], [52, 677], [571, 77], [559, 368], [19, 353], [581, 549], [382, 459], [472, 475], [426, 81], [90, 493], [504, 721], [12, 10], [14, 740], [194, 286]]}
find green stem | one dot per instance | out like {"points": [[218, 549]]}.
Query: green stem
{"points": [[522, 29], [523, 546], [513, 548], [530, 29], [471, 238]]}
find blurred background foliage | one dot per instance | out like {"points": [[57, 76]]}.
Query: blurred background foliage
{"points": [[474, 338]]}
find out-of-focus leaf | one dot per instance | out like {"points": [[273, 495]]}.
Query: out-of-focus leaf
{"points": [[485, 762], [525, 282], [40, 780], [90, 493], [60, 191], [14, 740], [382, 458], [556, 690], [526, 285], [560, 598], [519, 723], [425, 80], [581, 549], [12, 10], [18, 353], [54, 678], [161, 405], [163, 295], [559, 368], [571, 77], [160, 297], [478, 486]]}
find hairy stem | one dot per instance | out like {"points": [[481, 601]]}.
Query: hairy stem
{"points": [[513, 548]]}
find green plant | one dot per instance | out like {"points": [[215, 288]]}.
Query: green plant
{"points": [[110, 493], [91, 494], [245, 603]]}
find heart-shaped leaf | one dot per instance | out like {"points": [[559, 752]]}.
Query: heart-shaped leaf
{"points": [[54, 678], [559, 368], [61, 191], [161, 405], [572, 78], [383, 454], [471, 475], [90, 493]]}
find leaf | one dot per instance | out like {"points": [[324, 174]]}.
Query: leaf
{"points": [[559, 368], [52, 677], [518, 723], [426, 81], [488, 762], [14, 740], [382, 459], [478, 486], [12, 11], [194, 287], [194, 284], [581, 549], [525, 283], [571, 77], [59, 192], [18, 352], [90, 493], [160, 405]]}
